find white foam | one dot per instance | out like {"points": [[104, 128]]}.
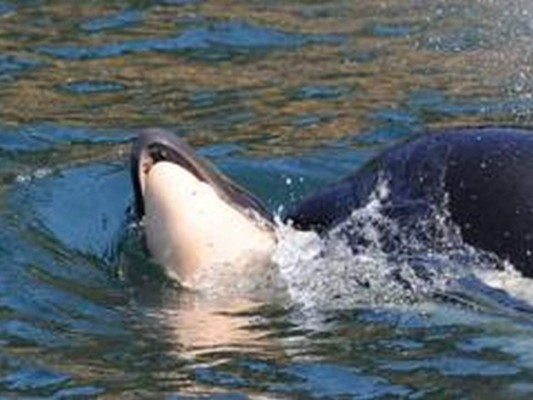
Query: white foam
{"points": [[329, 272], [509, 280], [37, 174]]}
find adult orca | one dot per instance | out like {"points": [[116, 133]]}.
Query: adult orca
{"points": [[479, 178]]}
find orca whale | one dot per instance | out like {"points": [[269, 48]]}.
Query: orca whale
{"points": [[198, 224], [479, 178]]}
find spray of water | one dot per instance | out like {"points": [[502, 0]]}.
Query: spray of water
{"points": [[373, 259]]}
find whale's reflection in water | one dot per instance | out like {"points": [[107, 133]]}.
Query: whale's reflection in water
{"points": [[199, 327]]}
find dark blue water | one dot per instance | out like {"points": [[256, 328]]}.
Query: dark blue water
{"points": [[284, 97]]}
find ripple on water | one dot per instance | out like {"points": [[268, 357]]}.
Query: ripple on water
{"points": [[115, 21], [337, 381], [399, 30], [463, 40], [29, 379], [224, 38], [62, 203], [434, 105], [92, 86], [45, 136], [520, 347], [60, 312], [6, 8], [319, 92], [456, 366], [180, 2], [12, 66], [79, 392]]}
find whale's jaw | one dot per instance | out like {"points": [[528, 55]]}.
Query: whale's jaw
{"points": [[198, 224]]}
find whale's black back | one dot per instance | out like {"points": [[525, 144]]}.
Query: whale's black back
{"points": [[481, 177]]}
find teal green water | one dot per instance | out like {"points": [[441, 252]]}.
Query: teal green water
{"points": [[284, 97]]}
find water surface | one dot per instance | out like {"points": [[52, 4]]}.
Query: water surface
{"points": [[284, 97]]}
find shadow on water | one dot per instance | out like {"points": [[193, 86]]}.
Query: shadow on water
{"points": [[284, 97]]}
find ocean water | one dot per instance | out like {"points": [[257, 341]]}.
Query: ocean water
{"points": [[284, 97]]}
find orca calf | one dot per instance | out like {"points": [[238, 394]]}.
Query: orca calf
{"points": [[198, 224], [480, 178]]}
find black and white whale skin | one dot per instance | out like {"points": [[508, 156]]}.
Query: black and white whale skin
{"points": [[481, 178]]}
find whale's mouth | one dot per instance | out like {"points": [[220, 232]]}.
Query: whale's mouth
{"points": [[156, 145]]}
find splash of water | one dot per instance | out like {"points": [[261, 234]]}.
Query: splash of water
{"points": [[374, 259]]}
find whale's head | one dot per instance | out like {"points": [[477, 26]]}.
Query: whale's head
{"points": [[197, 222]]}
